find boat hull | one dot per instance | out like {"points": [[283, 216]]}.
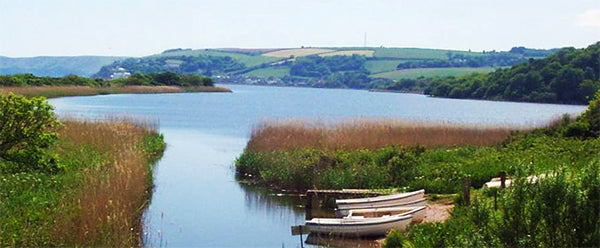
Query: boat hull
{"points": [[375, 202], [358, 227], [419, 202]]}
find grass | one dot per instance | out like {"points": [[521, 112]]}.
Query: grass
{"points": [[297, 52], [379, 66], [61, 91], [371, 134], [431, 72], [270, 72], [390, 154], [367, 53], [418, 53], [96, 200], [248, 60]]}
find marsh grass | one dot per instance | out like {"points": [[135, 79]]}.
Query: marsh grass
{"points": [[61, 91], [372, 134], [98, 197]]}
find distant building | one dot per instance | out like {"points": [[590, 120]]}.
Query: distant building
{"points": [[120, 73]]}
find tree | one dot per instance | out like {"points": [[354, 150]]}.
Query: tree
{"points": [[26, 133]]}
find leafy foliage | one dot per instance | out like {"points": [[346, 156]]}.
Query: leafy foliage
{"points": [[568, 76], [559, 209], [32, 80], [198, 65], [26, 133]]}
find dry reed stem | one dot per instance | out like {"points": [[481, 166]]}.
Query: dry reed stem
{"points": [[371, 134], [114, 192]]}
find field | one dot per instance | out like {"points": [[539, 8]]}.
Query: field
{"points": [[417, 53], [286, 53], [248, 60], [379, 66], [431, 72], [367, 53], [270, 72]]}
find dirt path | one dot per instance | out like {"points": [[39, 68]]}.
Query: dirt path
{"points": [[437, 212]]}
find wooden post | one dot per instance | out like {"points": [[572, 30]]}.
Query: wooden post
{"points": [[467, 191], [308, 205], [502, 180]]}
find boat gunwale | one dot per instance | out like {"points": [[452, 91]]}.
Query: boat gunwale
{"points": [[392, 218], [379, 198], [350, 207]]}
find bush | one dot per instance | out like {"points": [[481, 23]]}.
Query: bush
{"points": [[26, 133]]}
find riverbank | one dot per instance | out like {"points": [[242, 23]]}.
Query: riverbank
{"points": [[98, 196], [62, 91]]}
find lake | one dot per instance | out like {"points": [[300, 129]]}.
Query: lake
{"points": [[197, 201]]}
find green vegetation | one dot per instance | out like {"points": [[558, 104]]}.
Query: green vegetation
{"points": [[167, 82], [25, 135], [561, 209], [94, 191], [199, 65], [568, 76], [431, 72], [379, 66], [249, 59], [55, 66], [278, 72]]}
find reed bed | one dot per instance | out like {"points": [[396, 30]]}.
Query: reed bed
{"points": [[112, 194], [372, 134], [61, 91], [99, 197]]}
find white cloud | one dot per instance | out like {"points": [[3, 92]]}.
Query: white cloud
{"points": [[589, 18]]}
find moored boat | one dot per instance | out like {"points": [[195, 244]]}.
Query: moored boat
{"points": [[418, 213], [373, 202], [418, 202], [358, 226]]}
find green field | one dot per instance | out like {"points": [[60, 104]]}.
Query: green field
{"points": [[418, 53], [248, 60], [379, 66], [280, 71], [431, 72]]}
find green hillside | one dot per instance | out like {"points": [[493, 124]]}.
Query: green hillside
{"points": [[431, 72], [55, 66]]}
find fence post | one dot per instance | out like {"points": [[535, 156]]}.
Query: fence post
{"points": [[502, 180], [308, 205]]}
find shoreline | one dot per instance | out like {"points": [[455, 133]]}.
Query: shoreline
{"points": [[64, 91]]}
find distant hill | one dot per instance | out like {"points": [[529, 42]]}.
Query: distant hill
{"points": [[55, 66], [335, 67]]}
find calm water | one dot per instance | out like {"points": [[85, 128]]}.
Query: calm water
{"points": [[197, 201]]}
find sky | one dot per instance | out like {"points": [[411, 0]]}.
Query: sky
{"points": [[138, 28]]}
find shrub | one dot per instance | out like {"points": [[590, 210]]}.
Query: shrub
{"points": [[26, 133]]}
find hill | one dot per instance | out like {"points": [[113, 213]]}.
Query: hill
{"points": [[51, 66], [568, 76], [337, 67]]}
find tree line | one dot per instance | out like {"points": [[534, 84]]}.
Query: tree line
{"points": [[568, 76], [151, 79], [198, 65]]}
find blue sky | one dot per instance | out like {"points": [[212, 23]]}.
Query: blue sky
{"points": [[137, 28]]}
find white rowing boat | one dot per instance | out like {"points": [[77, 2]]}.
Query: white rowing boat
{"points": [[358, 226], [418, 202], [374, 202], [418, 213]]}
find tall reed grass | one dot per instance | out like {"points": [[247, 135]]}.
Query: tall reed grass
{"points": [[98, 198], [371, 134], [60, 91]]}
